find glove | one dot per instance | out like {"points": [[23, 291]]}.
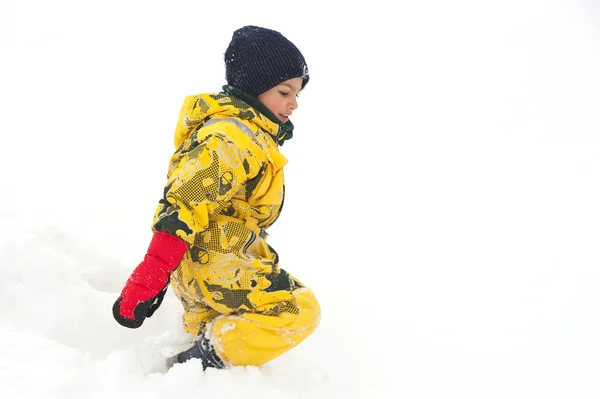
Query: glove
{"points": [[146, 287]]}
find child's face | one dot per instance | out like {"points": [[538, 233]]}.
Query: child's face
{"points": [[281, 99]]}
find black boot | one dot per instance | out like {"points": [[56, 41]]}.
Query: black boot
{"points": [[202, 350]]}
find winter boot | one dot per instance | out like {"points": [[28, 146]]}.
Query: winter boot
{"points": [[202, 350]]}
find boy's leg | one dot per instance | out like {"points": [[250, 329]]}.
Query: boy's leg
{"points": [[255, 339], [265, 311], [282, 318], [261, 311]]}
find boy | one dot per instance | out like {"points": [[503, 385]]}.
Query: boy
{"points": [[225, 188]]}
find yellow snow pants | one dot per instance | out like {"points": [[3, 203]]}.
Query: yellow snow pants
{"points": [[254, 338], [251, 310]]}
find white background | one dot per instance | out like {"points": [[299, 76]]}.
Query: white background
{"points": [[442, 195]]}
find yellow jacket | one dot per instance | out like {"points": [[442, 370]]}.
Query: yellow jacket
{"points": [[225, 188], [227, 165]]}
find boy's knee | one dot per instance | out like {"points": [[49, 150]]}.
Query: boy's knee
{"points": [[310, 310]]}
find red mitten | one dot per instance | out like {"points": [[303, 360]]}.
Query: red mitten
{"points": [[146, 287]]}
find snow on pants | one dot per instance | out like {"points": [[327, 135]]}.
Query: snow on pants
{"points": [[251, 310]]}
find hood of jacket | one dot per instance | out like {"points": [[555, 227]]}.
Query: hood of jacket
{"points": [[198, 109]]}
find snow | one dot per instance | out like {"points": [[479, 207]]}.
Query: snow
{"points": [[442, 196]]}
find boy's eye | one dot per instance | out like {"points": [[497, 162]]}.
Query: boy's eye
{"points": [[284, 93]]}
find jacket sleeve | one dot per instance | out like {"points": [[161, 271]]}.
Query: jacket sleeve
{"points": [[201, 185]]}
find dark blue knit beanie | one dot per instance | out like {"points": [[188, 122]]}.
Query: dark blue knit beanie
{"points": [[259, 59]]}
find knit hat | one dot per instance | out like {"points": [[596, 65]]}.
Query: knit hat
{"points": [[259, 59]]}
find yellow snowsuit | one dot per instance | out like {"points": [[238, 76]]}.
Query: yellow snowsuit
{"points": [[225, 188]]}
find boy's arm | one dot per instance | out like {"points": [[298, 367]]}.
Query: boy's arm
{"points": [[202, 184]]}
